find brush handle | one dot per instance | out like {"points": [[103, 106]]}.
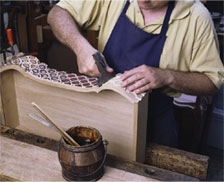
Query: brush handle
{"points": [[60, 130], [9, 35]]}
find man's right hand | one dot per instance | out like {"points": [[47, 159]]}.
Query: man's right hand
{"points": [[67, 31], [86, 62]]}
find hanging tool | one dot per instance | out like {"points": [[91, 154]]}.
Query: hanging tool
{"points": [[66, 136], [101, 65], [10, 40]]}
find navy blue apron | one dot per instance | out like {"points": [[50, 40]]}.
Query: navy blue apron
{"points": [[128, 47]]}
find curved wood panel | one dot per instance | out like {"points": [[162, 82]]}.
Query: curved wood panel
{"points": [[31, 67], [74, 100]]}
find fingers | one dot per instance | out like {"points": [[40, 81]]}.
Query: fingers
{"points": [[90, 70], [132, 79], [109, 69], [129, 73], [137, 80], [89, 67], [137, 83], [142, 89], [138, 86], [132, 76]]}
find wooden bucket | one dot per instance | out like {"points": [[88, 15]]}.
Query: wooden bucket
{"points": [[86, 162]]}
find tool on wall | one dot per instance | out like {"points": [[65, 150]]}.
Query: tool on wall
{"points": [[10, 40]]}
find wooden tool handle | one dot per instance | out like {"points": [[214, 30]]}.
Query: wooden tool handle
{"points": [[62, 132], [9, 35]]}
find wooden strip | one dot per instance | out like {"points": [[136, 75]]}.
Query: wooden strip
{"points": [[112, 161], [141, 119], [9, 101], [147, 170], [1, 108], [7, 178], [31, 163], [177, 160]]}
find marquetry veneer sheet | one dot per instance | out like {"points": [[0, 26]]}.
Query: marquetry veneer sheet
{"points": [[33, 66]]}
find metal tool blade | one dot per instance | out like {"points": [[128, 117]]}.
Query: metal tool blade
{"points": [[41, 120], [101, 65]]}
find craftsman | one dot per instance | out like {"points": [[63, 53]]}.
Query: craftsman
{"points": [[167, 47]]}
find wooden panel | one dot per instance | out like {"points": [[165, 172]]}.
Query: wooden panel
{"points": [[177, 160], [10, 112], [70, 109], [141, 115], [27, 162], [115, 116]]}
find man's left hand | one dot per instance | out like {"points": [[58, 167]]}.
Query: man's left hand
{"points": [[144, 78]]}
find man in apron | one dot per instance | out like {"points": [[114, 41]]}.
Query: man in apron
{"points": [[136, 53]]}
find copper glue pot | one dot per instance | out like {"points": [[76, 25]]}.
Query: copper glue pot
{"points": [[84, 162]]}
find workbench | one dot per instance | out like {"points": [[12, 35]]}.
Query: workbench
{"points": [[28, 157], [26, 162]]}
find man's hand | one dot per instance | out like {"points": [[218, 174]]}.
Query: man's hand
{"points": [[86, 62], [67, 31], [145, 78]]}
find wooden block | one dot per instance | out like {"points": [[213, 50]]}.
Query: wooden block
{"points": [[27, 162], [9, 103], [117, 114], [177, 160]]}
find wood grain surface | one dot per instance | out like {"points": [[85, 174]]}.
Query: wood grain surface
{"points": [[177, 160], [27, 162], [111, 161], [119, 116]]}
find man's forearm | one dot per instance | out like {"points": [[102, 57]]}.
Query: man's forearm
{"points": [[145, 78], [65, 29], [191, 83]]}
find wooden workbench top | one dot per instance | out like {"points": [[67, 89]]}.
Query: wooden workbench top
{"points": [[26, 162]]}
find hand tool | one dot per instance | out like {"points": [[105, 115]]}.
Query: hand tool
{"points": [[66, 136], [10, 39], [101, 65], [41, 120]]}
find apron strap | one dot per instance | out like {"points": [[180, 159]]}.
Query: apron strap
{"points": [[167, 17], [125, 7]]}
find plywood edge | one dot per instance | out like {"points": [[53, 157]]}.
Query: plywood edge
{"points": [[2, 119], [140, 128], [113, 84]]}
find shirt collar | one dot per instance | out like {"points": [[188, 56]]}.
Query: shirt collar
{"points": [[181, 9]]}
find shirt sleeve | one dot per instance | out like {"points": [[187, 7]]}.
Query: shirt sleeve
{"points": [[205, 53], [87, 14]]}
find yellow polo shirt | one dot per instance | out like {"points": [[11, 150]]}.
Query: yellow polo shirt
{"points": [[191, 43]]}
